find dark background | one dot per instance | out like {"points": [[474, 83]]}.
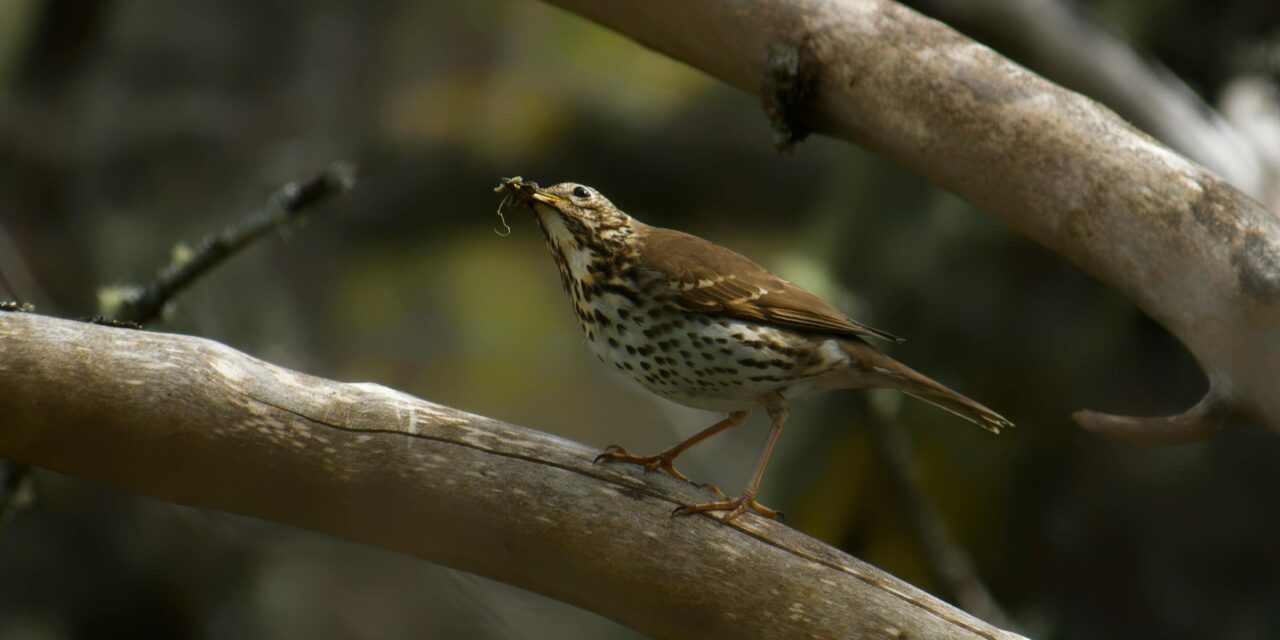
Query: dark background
{"points": [[129, 127]]}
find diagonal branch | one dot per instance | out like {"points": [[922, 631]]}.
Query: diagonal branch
{"points": [[948, 562], [1190, 250], [195, 422], [1062, 41], [285, 206]]}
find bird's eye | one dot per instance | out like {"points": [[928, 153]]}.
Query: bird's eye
{"points": [[581, 192]]}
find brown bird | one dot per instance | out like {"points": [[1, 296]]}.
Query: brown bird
{"points": [[708, 328]]}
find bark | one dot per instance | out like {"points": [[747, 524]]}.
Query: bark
{"points": [[195, 422], [1190, 250], [1064, 42]]}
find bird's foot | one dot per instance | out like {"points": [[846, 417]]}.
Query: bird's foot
{"points": [[664, 461], [713, 489], [733, 507]]}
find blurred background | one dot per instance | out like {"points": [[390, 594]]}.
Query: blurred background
{"points": [[130, 126]]}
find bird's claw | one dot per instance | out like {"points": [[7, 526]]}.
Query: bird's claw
{"points": [[615, 453], [733, 507], [707, 486], [609, 450]]}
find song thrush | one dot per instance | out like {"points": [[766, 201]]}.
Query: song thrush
{"points": [[708, 328]]}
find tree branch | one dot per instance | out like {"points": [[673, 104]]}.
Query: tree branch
{"points": [[1190, 250], [144, 304], [195, 422], [948, 563], [1067, 45], [1203, 421]]}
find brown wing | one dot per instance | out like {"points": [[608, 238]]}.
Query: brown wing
{"points": [[708, 278]]}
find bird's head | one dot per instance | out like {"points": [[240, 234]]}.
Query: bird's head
{"points": [[573, 217]]}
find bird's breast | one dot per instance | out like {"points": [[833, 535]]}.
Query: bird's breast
{"points": [[703, 361]]}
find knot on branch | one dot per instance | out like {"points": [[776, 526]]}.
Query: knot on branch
{"points": [[790, 74]]}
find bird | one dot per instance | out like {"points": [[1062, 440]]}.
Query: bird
{"points": [[706, 327]]}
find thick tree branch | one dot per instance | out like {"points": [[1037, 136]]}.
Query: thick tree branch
{"points": [[1060, 40], [1189, 249], [195, 422]]}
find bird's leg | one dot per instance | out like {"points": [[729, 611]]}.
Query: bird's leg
{"points": [[734, 507], [666, 459]]}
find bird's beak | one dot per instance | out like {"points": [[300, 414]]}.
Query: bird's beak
{"points": [[526, 190], [543, 197]]}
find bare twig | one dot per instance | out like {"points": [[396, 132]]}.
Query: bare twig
{"points": [[366, 463], [1203, 421], [948, 563], [144, 304], [1193, 252]]}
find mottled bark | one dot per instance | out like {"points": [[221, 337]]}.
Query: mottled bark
{"points": [[1061, 40]]}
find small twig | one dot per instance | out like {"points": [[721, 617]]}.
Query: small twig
{"points": [[948, 563], [144, 304], [1201, 422]]}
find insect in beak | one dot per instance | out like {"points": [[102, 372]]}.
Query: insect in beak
{"points": [[523, 191]]}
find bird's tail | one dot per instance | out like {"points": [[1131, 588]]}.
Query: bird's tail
{"points": [[871, 362]]}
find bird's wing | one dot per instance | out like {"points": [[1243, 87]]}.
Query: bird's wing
{"points": [[706, 278]]}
